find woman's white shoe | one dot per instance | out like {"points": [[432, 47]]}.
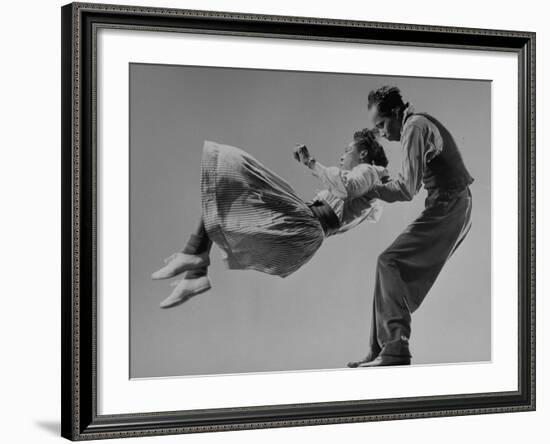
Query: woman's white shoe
{"points": [[180, 262], [186, 289]]}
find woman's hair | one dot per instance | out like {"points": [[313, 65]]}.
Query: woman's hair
{"points": [[365, 140], [387, 98]]}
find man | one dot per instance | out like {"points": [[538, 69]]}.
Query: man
{"points": [[407, 269]]}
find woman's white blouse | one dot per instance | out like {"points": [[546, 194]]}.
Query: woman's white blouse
{"points": [[347, 184], [345, 192]]}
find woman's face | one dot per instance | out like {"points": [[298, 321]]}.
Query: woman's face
{"points": [[351, 157]]}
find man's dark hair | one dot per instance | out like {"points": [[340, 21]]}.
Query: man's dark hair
{"points": [[387, 98], [365, 139]]}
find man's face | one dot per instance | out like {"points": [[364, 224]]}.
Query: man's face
{"points": [[388, 126]]}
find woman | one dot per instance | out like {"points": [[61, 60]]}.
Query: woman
{"points": [[260, 223]]}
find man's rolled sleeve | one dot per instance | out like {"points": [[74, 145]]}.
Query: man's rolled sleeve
{"points": [[409, 180]]}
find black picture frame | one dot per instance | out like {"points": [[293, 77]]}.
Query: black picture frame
{"points": [[80, 420]]}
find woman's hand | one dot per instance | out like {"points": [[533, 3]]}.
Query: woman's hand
{"points": [[301, 154]]}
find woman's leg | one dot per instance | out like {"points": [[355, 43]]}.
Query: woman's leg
{"points": [[193, 260], [198, 243], [195, 280], [194, 256]]}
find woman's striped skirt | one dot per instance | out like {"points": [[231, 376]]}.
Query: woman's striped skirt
{"points": [[253, 215]]}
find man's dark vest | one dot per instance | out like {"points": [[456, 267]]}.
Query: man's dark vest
{"points": [[446, 171]]}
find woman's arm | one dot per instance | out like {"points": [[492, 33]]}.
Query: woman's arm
{"points": [[342, 183]]}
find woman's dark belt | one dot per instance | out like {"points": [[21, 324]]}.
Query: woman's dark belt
{"points": [[326, 216]]}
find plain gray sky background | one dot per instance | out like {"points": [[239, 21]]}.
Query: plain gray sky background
{"points": [[318, 318]]}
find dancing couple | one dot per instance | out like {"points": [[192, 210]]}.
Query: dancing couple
{"points": [[259, 223]]}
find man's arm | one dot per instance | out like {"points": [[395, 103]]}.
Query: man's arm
{"points": [[409, 180]]}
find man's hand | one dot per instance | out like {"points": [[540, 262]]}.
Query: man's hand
{"points": [[372, 193], [301, 154]]}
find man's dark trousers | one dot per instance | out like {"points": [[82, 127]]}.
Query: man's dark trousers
{"points": [[407, 269]]}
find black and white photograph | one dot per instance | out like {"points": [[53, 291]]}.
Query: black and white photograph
{"points": [[293, 220]]}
